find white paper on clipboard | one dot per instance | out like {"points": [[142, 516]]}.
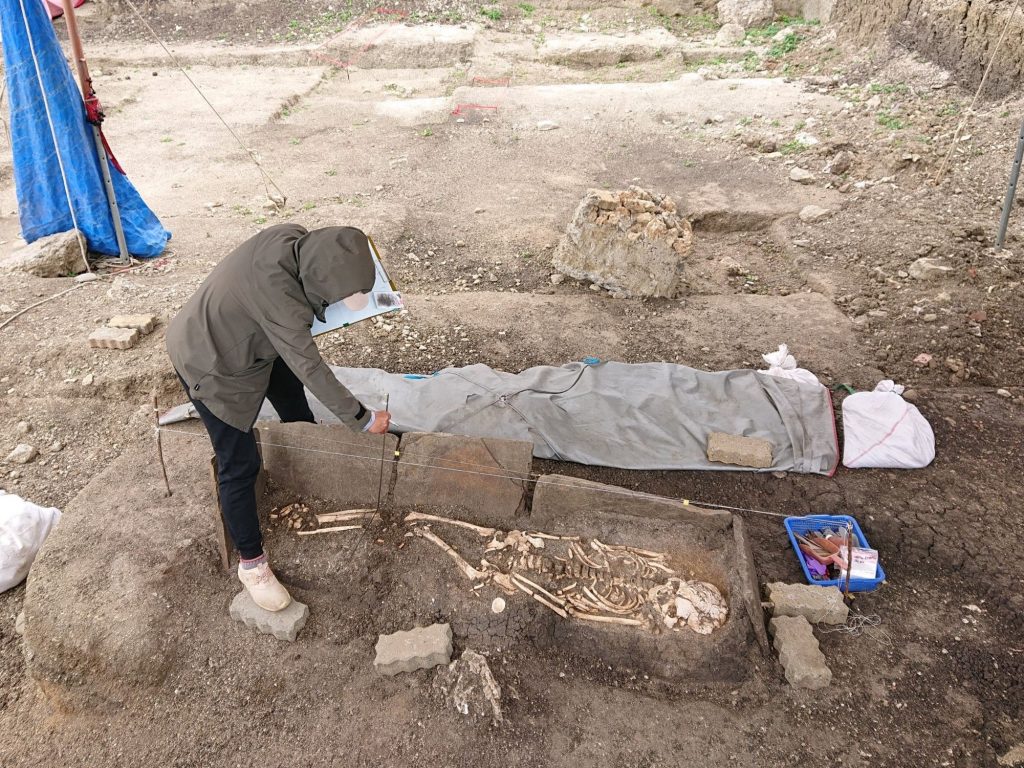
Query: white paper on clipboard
{"points": [[384, 298]]}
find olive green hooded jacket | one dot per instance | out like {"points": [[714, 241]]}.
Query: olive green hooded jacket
{"points": [[258, 304]]}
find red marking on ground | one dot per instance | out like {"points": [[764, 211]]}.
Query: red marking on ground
{"points": [[503, 82], [461, 109]]}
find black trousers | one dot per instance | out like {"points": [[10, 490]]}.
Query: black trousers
{"points": [[238, 459]]}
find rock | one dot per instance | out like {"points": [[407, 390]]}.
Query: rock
{"points": [[927, 268], [616, 250], [23, 453], [801, 175], [142, 323], [1004, 393], [468, 685], [840, 163], [739, 451], [24, 427], [813, 213], [782, 34], [113, 338], [604, 50], [819, 605], [420, 648], [19, 623], [730, 34], [1015, 756], [57, 446], [799, 653], [86, 277], [87, 380], [284, 625], [57, 255], [557, 279], [746, 13], [875, 102], [547, 125], [498, 605], [494, 496], [923, 360]]}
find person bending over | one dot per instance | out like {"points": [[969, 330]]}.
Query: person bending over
{"points": [[245, 336]]}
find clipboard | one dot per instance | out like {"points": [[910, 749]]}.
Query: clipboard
{"points": [[385, 298]]}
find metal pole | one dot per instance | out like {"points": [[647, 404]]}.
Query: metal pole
{"points": [[88, 94], [1011, 190]]}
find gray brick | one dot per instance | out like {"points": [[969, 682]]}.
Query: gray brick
{"points": [[739, 451], [420, 648], [113, 338], [284, 625], [799, 653], [819, 605]]}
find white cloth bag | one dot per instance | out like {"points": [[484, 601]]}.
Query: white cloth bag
{"points": [[24, 527], [884, 431], [783, 365]]}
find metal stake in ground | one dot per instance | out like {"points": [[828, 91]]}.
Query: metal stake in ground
{"points": [[383, 449], [1011, 190]]}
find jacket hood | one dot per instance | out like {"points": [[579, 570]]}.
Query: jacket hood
{"points": [[334, 263]]}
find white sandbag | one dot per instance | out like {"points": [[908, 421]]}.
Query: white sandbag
{"points": [[24, 527], [882, 430], [783, 365]]}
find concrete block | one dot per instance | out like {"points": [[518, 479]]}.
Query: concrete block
{"points": [[284, 625], [485, 476], [558, 498], [144, 324], [801, 658], [739, 451], [55, 255], [819, 605], [113, 338], [420, 648], [328, 461]]}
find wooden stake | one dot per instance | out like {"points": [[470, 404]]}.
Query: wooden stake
{"points": [[159, 443]]}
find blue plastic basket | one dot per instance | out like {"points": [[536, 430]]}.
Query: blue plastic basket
{"points": [[804, 525]]}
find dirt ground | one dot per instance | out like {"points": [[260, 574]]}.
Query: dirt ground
{"points": [[467, 208]]}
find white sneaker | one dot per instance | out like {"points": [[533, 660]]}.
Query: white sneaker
{"points": [[264, 588]]}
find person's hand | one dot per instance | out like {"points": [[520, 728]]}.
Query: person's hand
{"points": [[381, 423]]}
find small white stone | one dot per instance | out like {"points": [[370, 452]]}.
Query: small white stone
{"points": [[498, 605], [87, 380], [1004, 393], [801, 175], [547, 125], [22, 454], [557, 279], [24, 427]]}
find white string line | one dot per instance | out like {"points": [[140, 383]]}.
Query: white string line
{"points": [[53, 134], [537, 481], [251, 153], [944, 165]]}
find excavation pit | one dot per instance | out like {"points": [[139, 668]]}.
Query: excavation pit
{"points": [[145, 597]]}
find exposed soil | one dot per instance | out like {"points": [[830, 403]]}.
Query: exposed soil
{"points": [[937, 683]]}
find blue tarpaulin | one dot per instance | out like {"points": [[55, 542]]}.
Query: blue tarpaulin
{"points": [[42, 202]]}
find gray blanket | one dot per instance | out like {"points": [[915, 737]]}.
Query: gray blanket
{"points": [[646, 416]]}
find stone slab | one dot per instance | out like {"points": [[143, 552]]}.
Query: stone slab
{"points": [[799, 653], [284, 625], [747, 569], [397, 46], [328, 461], [819, 605], [597, 50], [559, 497], [486, 476], [419, 648], [144, 324], [739, 451], [113, 338]]}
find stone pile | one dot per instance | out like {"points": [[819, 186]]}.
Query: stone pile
{"points": [[632, 242]]}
